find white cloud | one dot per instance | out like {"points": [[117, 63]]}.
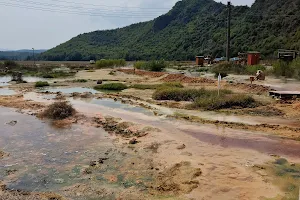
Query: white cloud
{"points": [[26, 28]]}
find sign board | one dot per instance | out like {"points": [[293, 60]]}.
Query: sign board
{"points": [[219, 83]]}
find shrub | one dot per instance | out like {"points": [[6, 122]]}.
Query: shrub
{"points": [[202, 69], [281, 161], [177, 94], [156, 86], [110, 63], [10, 63], [172, 84], [233, 68], [48, 76], [216, 102], [295, 67], [254, 68], [228, 67], [144, 86], [139, 64], [111, 86], [41, 84], [55, 74], [155, 65], [59, 110], [282, 68], [80, 81]]}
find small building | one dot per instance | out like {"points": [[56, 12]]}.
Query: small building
{"points": [[287, 55], [200, 60], [253, 58]]}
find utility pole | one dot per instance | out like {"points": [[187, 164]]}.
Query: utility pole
{"points": [[33, 57], [228, 31]]}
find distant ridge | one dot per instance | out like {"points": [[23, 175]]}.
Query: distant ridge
{"points": [[23, 54]]}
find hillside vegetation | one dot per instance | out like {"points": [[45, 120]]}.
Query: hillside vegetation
{"points": [[192, 27], [19, 54]]}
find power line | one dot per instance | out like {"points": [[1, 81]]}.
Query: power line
{"points": [[66, 11], [98, 5], [228, 31], [34, 3]]}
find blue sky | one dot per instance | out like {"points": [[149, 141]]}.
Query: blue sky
{"points": [[43, 24]]}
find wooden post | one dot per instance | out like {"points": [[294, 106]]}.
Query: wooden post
{"points": [[252, 79]]}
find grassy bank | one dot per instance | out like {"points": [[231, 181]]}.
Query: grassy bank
{"points": [[206, 99], [288, 70], [157, 86], [111, 86], [224, 102], [40, 84], [80, 81], [155, 65], [177, 94], [285, 175], [44, 71]]}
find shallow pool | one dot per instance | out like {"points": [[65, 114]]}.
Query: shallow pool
{"points": [[72, 90], [6, 92], [4, 80], [110, 103], [46, 157]]}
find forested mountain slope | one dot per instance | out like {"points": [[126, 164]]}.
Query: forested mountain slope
{"points": [[192, 27]]}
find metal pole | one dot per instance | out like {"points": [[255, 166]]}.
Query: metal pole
{"points": [[228, 31], [33, 57]]}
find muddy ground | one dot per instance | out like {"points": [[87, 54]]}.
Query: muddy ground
{"points": [[152, 149]]}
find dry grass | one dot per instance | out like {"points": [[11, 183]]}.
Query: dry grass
{"points": [[297, 106], [65, 123], [286, 176], [111, 86], [41, 84], [224, 102], [59, 110], [177, 94], [2, 154], [6, 194]]}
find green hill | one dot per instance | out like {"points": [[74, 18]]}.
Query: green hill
{"points": [[192, 27]]}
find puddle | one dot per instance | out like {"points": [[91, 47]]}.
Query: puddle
{"points": [[33, 79], [110, 103], [251, 120], [261, 144], [6, 92], [4, 80], [105, 105], [71, 90], [207, 133], [46, 158], [39, 97]]}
